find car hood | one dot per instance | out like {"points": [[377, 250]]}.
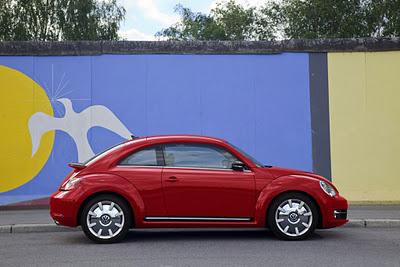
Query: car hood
{"points": [[278, 172]]}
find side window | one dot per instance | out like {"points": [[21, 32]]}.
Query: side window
{"points": [[144, 157], [197, 155]]}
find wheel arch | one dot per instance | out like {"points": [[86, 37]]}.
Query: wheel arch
{"points": [[306, 185], [106, 192], [319, 223]]}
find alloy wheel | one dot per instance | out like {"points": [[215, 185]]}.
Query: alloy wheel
{"points": [[293, 217], [105, 219]]}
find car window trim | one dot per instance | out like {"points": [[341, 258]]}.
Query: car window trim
{"points": [[247, 168], [160, 155], [160, 158], [182, 168], [139, 166], [205, 168], [158, 150]]}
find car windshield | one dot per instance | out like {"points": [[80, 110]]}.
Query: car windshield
{"points": [[255, 161]]}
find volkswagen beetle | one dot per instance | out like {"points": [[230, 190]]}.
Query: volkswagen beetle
{"points": [[191, 181]]}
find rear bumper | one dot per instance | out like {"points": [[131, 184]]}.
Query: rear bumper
{"points": [[334, 212], [63, 208]]}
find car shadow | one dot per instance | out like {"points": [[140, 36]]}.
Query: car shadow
{"points": [[172, 235], [151, 235], [196, 234]]}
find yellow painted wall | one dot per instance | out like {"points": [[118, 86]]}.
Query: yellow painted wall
{"points": [[364, 96]]}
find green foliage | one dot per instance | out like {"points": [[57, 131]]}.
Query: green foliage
{"points": [[228, 21], [383, 17], [6, 19], [193, 26], [291, 19], [53, 20], [323, 18], [236, 21]]}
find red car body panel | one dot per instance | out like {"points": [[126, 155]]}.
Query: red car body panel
{"points": [[206, 193], [190, 192], [147, 182]]}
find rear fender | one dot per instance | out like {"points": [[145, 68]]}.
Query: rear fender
{"points": [[98, 183]]}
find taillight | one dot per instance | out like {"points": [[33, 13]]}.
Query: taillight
{"points": [[70, 184]]}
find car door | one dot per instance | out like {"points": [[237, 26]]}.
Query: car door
{"points": [[143, 169], [198, 181]]}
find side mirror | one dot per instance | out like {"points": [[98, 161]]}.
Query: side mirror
{"points": [[238, 166]]}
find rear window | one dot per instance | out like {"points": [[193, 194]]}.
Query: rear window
{"points": [[144, 157], [104, 153]]}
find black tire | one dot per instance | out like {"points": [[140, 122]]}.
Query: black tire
{"points": [[293, 224], [125, 219]]}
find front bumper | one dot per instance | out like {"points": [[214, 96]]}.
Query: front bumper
{"points": [[340, 214], [63, 208], [334, 212]]}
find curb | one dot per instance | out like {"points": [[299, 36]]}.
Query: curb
{"points": [[35, 228], [48, 228], [374, 223]]}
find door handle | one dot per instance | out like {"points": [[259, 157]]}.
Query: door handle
{"points": [[172, 179]]}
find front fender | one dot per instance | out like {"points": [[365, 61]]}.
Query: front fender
{"points": [[299, 183]]}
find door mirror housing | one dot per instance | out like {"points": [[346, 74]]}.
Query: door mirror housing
{"points": [[238, 166]]}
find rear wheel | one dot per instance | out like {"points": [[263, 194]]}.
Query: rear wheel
{"points": [[292, 216], [106, 219]]}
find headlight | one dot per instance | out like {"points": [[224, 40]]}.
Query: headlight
{"points": [[327, 188], [70, 184]]}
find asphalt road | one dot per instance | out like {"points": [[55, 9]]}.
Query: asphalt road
{"points": [[335, 247]]}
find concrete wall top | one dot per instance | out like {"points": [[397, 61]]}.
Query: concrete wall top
{"points": [[81, 48]]}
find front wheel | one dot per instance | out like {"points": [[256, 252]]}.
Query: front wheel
{"points": [[106, 219], [292, 216]]}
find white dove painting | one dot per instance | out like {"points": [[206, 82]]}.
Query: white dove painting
{"points": [[76, 125]]}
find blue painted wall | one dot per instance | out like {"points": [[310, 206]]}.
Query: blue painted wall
{"points": [[260, 103]]}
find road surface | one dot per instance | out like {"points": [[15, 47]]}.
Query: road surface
{"points": [[335, 247]]}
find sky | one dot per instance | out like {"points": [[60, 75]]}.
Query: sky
{"points": [[146, 17]]}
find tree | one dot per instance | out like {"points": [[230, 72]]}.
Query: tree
{"points": [[383, 17], [6, 18], [236, 21], [339, 18], [33, 20], [289, 19], [89, 19], [193, 26], [321, 18], [227, 21], [52, 20]]}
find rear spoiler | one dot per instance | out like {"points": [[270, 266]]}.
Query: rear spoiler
{"points": [[77, 165]]}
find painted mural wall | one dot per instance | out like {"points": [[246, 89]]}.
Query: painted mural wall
{"points": [[364, 93], [55, 110]]}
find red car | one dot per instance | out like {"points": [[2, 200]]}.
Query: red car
{"points": [[191, 181]]}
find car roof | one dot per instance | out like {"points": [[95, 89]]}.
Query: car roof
{"points": [[178, 137]]}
